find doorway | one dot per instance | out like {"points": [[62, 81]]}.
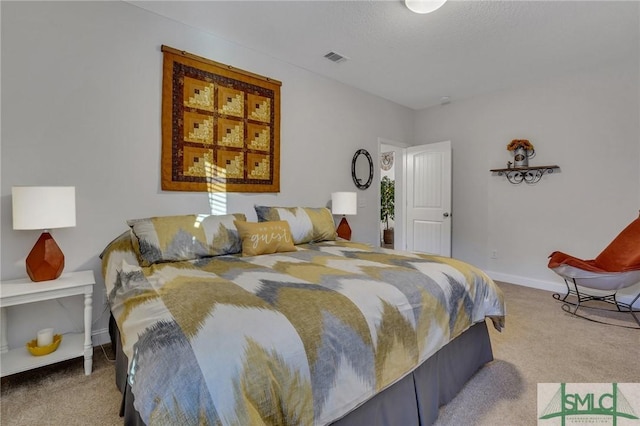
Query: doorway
{"points": [[391, 156], [387, 198], [421, 219]]}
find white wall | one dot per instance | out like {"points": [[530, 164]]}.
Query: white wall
{"points": [[588, 124], [81, 93]]}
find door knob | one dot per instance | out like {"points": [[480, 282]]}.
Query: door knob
{"points": [[446, 215]]}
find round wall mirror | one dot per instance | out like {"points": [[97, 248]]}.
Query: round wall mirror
{"points": [[362, 169]]}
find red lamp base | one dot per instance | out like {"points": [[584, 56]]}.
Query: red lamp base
{"points": [[344, 230], [45, 261]]}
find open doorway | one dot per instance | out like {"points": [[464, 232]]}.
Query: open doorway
{"points": [[387, 198], [391, 194], [422, 219]]}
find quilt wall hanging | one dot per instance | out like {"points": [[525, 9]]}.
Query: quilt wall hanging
{"points": [[220, 127]]}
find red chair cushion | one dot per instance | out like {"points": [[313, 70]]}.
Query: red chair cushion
{"points": [[623, 253], [558, 258]]}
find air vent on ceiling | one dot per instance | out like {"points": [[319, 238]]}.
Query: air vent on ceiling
{"points": [[335, 57]]}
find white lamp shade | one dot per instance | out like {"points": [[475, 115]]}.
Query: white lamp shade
{"points": [[424, 6], [43, 207], [344, 203]]}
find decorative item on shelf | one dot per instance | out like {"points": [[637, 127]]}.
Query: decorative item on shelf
{"points": [[45, 337], [37, 350], [387, 208], [44, 208], [519, 171], [344, 203], [522, 150]]}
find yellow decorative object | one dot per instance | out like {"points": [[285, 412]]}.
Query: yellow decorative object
{"points": [[258, 137], [36, 350], [259, 108], [265, 237], [231, 101], [198, 94], [202, 132], [261, 171], [200, 162], [231, 133], [235, 167]]}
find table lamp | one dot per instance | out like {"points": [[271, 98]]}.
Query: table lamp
{"points": [[44, 207], [344, 203]]}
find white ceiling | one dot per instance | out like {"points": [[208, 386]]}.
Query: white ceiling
{"points": [[463, 49]]}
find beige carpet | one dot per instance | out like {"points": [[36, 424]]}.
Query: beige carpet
{"points": [[62, 395], [541, 344]]}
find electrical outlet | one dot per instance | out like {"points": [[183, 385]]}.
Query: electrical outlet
{"points": [[494, 254]]}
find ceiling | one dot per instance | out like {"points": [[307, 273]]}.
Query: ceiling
{"points": [[463, 49]]}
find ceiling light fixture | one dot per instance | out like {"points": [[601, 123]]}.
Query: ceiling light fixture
{"points": [[424, 6]]}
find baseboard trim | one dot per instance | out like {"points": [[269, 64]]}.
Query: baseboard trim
{"points": [[527, 282], [554, 287]]}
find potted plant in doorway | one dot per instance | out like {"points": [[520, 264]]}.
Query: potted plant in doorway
{"points": [[387, 207]]}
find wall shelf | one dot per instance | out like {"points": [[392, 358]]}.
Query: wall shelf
{"points": [[531, 174]]}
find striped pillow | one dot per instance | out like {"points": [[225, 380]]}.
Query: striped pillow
{"points": [[177, 238], [307, 224]]}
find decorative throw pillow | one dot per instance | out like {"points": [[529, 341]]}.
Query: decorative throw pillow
{"points": [[265, 237], [176, 238], [307, 223]]}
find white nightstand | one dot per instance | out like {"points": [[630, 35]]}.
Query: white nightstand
{"points": [[73, 345]]}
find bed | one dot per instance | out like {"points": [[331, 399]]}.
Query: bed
{"points": [[216, 320]]}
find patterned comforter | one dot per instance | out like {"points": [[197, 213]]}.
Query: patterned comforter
{"points": [[289, 338]]}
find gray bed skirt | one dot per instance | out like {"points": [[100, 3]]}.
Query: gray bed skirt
{"points": [[414, 400]]}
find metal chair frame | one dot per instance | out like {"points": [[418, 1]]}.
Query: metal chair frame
{"points": [[583, 297]]}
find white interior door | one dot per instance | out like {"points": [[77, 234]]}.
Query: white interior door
{"points": [[428, 186]]}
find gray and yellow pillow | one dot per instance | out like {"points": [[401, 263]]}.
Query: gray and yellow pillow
{"points": [[265, 237], [187, 237], [307, 223]]}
